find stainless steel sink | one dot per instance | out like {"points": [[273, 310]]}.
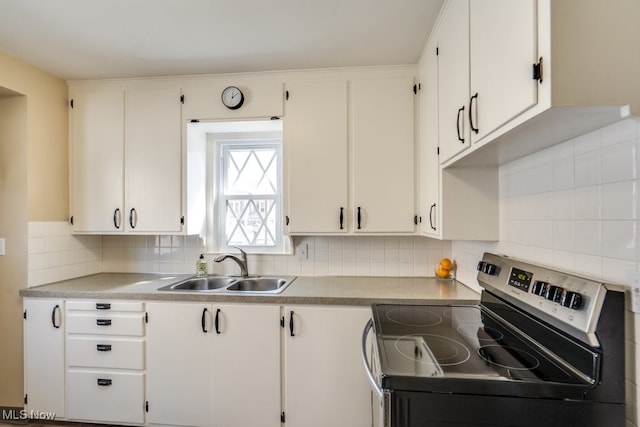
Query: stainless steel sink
{"points": [[260, 284], [222, 284], [209, 283]]}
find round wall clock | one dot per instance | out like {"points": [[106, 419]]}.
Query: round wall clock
{"points": [[232, 97]]}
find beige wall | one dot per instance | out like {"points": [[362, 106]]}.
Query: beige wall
{"points": [[47, 137], [33, 187]]}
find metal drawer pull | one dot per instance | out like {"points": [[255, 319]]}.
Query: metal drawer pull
{"points": [[103, 306], [103, 322], [103, 347], [104, 382]]}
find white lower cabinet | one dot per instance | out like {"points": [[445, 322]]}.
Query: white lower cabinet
{"points": [[105, 395], [324, 381], [196, 364], [213, 365], [104, 365], [44, 370]]}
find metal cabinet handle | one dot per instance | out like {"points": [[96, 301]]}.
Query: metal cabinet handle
{"points": [[291, 324], [133, 218], [53, 316], [203, 320], [104, 382], [460, 113], [217, 321], [116, 218], [359, 219], [473, 128], [103, 322], [103, 347], [431, 212], [341, 218], [103, 306]]}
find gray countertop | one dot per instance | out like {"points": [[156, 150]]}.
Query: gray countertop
{"points": [[333, 290]]}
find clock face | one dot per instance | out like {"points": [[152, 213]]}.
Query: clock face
{"points": [[232, 97]]}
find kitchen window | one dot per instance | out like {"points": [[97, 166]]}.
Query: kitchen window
{"points": [[250, 193], [245, 191]]}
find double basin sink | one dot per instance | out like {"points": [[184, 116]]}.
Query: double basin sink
{"points": [[252, 284]]}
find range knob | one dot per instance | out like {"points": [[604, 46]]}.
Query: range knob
{"points": [[487, 268], [539, 288], [571, 299], [554, 293]]}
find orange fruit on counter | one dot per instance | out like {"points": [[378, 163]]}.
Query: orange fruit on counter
{"points": [[443, 273], [446, 264]]}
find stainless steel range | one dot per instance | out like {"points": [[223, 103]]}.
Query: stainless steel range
{"points": [[543, 348]]}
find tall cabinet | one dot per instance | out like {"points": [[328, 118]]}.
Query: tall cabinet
{"points": [[126, 173]]}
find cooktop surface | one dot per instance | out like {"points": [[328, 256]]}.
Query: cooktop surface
{"points": [[428, 346]]}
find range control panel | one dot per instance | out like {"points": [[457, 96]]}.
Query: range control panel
{"points": [[569, 302]]}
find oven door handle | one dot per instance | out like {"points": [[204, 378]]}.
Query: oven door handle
{"points": [[375, 387]]}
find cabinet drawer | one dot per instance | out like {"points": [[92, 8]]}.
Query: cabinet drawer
{"points": [[105, 306], [131, 324], [105, 353], [101, 395]]}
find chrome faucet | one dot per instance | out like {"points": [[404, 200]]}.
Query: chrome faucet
{"points": [[240, 259]]}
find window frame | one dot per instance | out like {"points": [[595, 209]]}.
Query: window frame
{"points": [[217, 145]]}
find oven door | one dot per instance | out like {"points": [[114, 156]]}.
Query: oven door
{"points": [[380, 398]]}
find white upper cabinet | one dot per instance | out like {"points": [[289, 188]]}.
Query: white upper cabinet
{"points": [[126, 160], [383, 155], [203, 100], [453, 79], [97, 160], [540, 74], [315, 135], [153, 167], [503, 49], [429, 166]]}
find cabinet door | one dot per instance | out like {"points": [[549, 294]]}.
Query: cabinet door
{"points": [[325, 383], [246, 366], [315, 138], [44, 356], [383, 155], [178, 363], [453, 79], [97, 161], [503, 47], [153, 160], [429, 185]]}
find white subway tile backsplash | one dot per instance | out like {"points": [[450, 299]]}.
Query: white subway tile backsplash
{"points": [[587, 169], [619, 162], [619, 200], [54, 254]]}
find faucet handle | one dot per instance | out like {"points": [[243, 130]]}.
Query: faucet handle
{"points": [[243, 254]]}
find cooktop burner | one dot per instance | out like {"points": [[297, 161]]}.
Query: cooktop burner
{"points": [[433, 349], [508, 357], [421, 316]]}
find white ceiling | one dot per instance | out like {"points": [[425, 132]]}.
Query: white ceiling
{"points": [[94, 39]]}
